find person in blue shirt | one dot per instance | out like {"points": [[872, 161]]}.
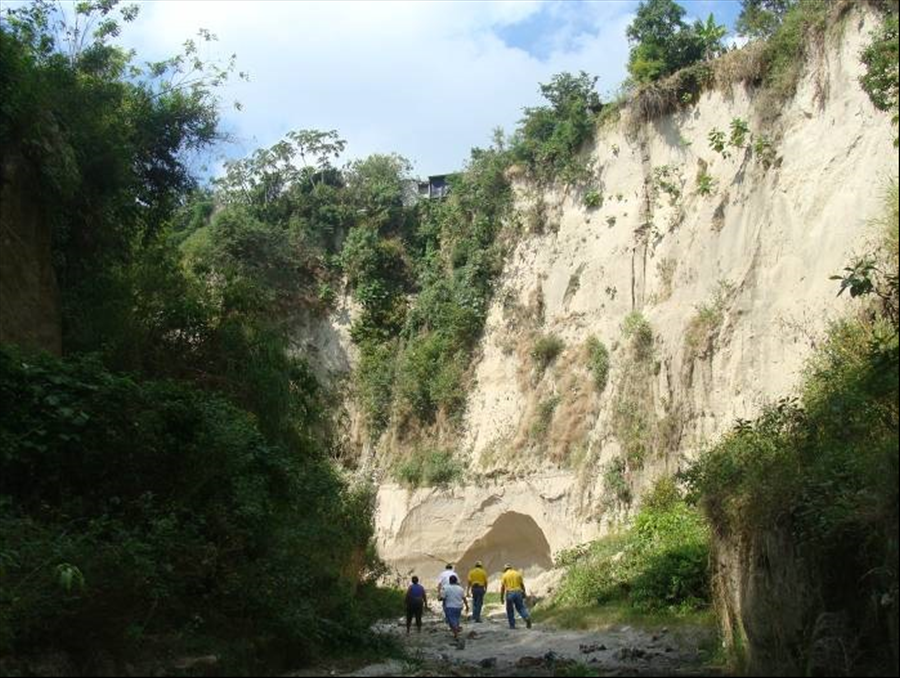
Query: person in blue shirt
{"points": [[416, 602]]}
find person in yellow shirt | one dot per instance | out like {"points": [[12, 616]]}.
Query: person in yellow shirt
{"points": [[512, 591], [477, 587]]}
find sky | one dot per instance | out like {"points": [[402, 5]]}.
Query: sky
{"points": [[427, 80]]}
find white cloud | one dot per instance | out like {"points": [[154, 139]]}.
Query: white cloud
{"points": [[425, 79]]}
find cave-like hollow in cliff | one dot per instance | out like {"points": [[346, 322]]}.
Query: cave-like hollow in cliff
{"points": [[513, 538]]}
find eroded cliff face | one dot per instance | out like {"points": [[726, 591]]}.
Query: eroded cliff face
{"points": [[727, 259]]}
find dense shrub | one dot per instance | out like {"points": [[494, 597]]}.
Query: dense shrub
{"points": [[430, 468], [550, 139], [880, 59], [451, 246], [661, 562], [788, 47], [130, 507], [374, 376], [191, 498]]}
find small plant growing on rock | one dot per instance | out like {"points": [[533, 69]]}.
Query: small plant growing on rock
{"points": [[544, 416], [739, 132], [616, 488], [666, 179], [545, 350], [598, 360], [637, 329], [593, 199], [718, 142], [610, 221], [706, 185], [704, 326], [764, 151], [326, 294]]}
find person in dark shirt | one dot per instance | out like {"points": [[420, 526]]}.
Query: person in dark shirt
{"points": [[416, 602]]}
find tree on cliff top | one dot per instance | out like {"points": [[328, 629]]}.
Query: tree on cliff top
{"points": [[662, 42], [761, 18]]}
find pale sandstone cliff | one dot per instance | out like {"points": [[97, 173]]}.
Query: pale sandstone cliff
{"points": [[765, 241]]}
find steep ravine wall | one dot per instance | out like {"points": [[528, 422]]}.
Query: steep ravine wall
{"points": [[30, 313], [763, 243]]}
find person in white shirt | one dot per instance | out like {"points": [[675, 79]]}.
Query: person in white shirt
{"points": [[444, 580], [454, 601]]}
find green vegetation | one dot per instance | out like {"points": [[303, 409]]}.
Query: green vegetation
{"points": [[637, 329], [598, 360], [131, 506], [550, 139], [414, 355], [632, 422], [544, 416], [593, 199], [660, 563], [880, 59], [789, 45], [739, 133], [618, 613], [761, 18], [546, 349], [706, 184], [705, 324], [764, 151], [617, 493], [168, 480], [671, 63], [717, 142], [429, 468], [668, 180], [662, 43], [633, 417], [822, 469]]}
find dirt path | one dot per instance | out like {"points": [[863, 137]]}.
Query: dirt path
{"points": [[492, 649]]}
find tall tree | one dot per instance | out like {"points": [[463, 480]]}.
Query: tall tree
{"points": [[761, 18], [662, 43]]}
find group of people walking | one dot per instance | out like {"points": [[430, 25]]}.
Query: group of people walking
{"points": [[454, 598]]}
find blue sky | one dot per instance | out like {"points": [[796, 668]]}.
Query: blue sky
{"points": [[428, 80]]}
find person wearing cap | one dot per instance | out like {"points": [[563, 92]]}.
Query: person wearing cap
{"points": [[477, 587], [512, 591], [444, 579]]}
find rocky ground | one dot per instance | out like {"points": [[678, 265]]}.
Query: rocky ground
{"points": [[492, 649]]}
